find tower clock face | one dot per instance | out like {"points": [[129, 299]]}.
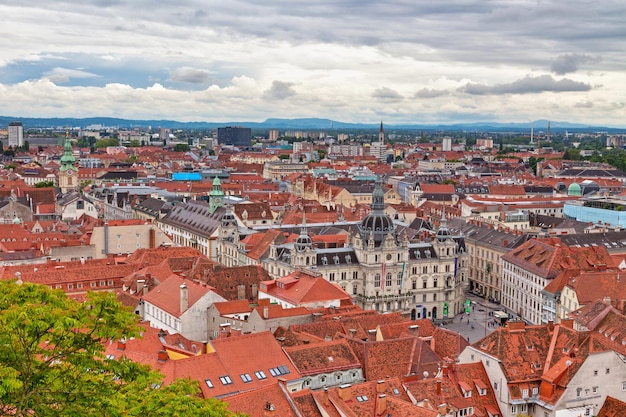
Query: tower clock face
{"points": [[69, 172]]}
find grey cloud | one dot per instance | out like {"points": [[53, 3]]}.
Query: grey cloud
{"points": [[527, 85], [386, 93], [570, 62], [190, 75], [279, 90], [430, 93], [63, 75]]}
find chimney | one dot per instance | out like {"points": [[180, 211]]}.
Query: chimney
{"points": [[442, 409], [162, 356], [381, 386], [121, 345], [184, 297], [352, 332], [269, 409], [569, 323], [241, 292], [517, 325], [381, 404], [345, 392], [266, 312], [255, 290], [140, 284], [438, 386], [414, 329], [444, 370], [325, 397]]}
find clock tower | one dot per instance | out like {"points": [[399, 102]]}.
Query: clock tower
{"points": [[68, 173]]}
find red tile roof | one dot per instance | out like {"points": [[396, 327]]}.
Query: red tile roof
{"points": [[612, 407], [269, 400], [312, 359], [166, 296], [299, 288], [250, 353]]}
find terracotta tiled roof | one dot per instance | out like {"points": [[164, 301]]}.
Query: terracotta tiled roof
{"points": [[166, 296], [299, 288], [250, 353], [227, 280], [233, 307], [437, 188], [547, 257], [376, 398], [269, 400], [312, 359], [612, 407]]}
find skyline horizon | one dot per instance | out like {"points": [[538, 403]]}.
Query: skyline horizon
{"points": [[454, 61]]}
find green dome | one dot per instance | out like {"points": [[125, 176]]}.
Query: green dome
{"points": [[574, 189]]}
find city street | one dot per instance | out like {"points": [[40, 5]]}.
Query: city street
{"points": [[474, 326]]}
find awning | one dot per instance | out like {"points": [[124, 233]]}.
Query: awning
{"points": [[500, 315]]}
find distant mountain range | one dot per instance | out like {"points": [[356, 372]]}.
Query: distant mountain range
{"points": [[303, 124]]}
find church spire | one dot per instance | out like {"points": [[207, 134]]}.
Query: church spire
{"points": [[381, 133]]}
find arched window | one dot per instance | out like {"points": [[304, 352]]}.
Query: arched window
{"points": [[388, 279]]}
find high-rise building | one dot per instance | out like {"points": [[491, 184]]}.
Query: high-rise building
{"points": [[16, 134], [234, 136], [446, 144], [273, 135]]}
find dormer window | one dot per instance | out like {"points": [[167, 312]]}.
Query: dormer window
{"points": [[467, 394]]}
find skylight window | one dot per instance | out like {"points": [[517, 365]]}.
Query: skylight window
{"points": [[362, 398], [208, 383], [279, 370], [260, 375], [246, 378], [226, 380]]}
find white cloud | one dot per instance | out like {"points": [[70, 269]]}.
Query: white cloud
{"points": [[247, 60]]}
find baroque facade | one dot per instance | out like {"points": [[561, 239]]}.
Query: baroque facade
{"points": [[380, 267]]}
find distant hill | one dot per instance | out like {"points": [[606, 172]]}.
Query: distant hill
{"points": [[302, 124]]}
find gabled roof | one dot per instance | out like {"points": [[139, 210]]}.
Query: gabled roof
{"points": [[312, 359], [255, 352], [612, 407], [259, 402], [300, 288], [365, 399], [166, 296]]}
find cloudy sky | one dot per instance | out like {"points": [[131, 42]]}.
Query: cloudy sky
{"points": [[403, 61]]}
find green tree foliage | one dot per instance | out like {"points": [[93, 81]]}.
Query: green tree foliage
{"points": [[52, 362], [181, 147], [572, 154], [44, 184], [103, 143]]}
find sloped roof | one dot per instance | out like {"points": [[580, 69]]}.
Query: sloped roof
{"points": [[300, 288], [311, 359], [250, 353], [255, 403], [166, 296]]}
